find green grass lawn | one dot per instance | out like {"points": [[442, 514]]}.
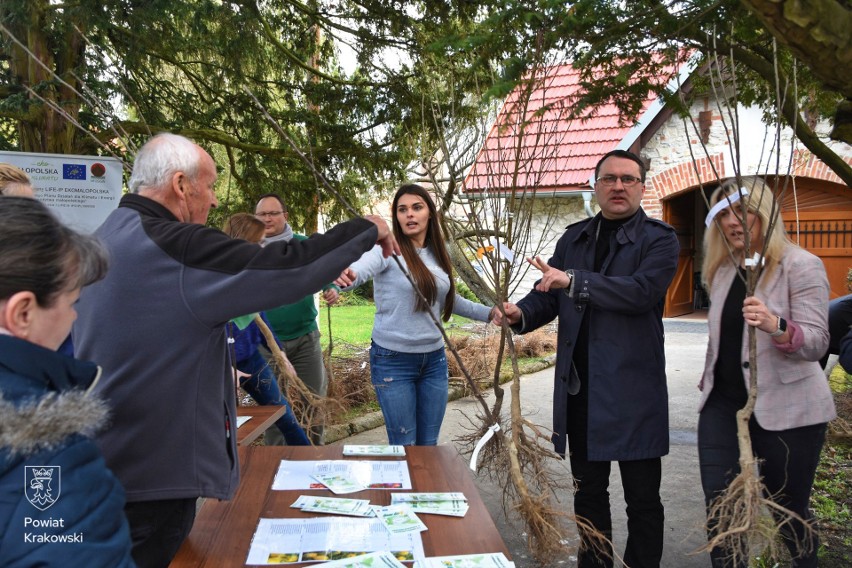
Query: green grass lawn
{"points": [[353, 325], [350, 325]]}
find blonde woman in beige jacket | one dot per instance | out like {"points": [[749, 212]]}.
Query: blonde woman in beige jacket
{"points": [[789, 310]]}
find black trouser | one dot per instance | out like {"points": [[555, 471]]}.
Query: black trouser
{"points": [[641, 482], [639, 478], [158, 528], [788, 462]]}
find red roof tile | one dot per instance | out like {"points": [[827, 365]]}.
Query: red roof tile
{"points": [[557, 153]]}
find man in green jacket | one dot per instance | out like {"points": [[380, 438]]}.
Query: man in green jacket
{"points": [[295, 325]]}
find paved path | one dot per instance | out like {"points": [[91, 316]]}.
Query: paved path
{"points": [[686, 343]]}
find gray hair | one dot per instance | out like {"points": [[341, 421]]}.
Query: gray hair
{"points": [[41, 255], [160, 159]]}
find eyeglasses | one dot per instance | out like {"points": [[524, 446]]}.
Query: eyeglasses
{"points": [[269, 214], [626, 181]]}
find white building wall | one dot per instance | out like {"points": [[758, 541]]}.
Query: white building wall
{"points": [[744, 139], [548, 218]]}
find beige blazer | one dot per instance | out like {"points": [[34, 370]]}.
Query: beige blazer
{"points": [[792, 389]]}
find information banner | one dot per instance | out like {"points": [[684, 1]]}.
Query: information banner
{"points": [[80, 190]]}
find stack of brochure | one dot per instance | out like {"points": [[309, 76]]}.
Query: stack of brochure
{"points": [[450, 504], [323, 538], [373, 450], [333, 506], [399, 519]]}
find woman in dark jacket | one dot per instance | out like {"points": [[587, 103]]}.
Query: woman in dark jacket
{"points": [[59, 504]]}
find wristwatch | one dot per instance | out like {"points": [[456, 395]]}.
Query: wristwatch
{"points": [[782, 327]]}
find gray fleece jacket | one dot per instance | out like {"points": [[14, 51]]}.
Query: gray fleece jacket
{"points": [[156, 324]]}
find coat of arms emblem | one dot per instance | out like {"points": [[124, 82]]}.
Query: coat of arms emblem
{"points": [[42, 485]]}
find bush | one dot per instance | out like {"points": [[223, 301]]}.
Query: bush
{"points": [[365, 290], [465, 292], [351, 386], [479, 354], [350, 298]]}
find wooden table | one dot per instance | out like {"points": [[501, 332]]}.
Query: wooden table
{"points": [[223, 529], [262, 417]]}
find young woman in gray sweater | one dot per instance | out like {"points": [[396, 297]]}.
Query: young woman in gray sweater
{"points": [[408, 364]]}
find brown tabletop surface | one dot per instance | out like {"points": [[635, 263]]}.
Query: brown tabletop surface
{"points": [[262, 417], [223, 529]]}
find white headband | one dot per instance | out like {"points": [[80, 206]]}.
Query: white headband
{"points": [[724, 204]]}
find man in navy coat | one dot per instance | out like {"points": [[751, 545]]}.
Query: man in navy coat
{"points": [[606, 282]]}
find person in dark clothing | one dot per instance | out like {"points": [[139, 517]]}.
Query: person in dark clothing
{"points": [[606, 282], [845, 351], [839, 322], [59, 504], [156, 324]]}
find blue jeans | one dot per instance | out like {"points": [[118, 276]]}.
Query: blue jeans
{"points": [[412, 391], [262, 386]]}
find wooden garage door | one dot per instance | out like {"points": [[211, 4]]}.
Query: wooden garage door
{"points": [[680, 214], [823, 226]]}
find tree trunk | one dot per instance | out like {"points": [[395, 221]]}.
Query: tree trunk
{"points": [[469, 276], [41, 127]]}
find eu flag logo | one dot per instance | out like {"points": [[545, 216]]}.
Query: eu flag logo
{"points": [[73, 171]]}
